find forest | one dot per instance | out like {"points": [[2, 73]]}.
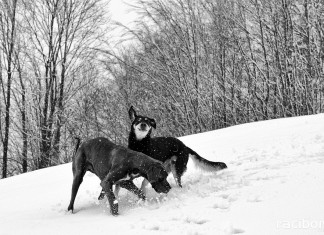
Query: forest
{"points": [[192, 65]]}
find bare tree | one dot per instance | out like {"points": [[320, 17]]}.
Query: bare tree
{"points": [[210, 64], [60, 39], [8, 35]]}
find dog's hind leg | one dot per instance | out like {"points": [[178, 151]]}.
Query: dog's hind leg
{"points": [[130, 186], [77, 180], [179, 167]]}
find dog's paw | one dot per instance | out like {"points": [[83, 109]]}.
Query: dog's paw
{"points": [[70, 208], [142, 196], [102, 195], [141, 202], [114, 208], [69, 212], [114, 213]]}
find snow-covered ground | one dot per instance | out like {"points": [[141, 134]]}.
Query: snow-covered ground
{"points": [[274, 185]]}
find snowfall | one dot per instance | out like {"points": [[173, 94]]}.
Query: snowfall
{"points": [[274, 184]]}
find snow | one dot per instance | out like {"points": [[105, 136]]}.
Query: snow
{"points": [[274, 185]]}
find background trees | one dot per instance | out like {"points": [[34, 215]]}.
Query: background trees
{"points": [[211, 64], [8, 40], [43, 57], [193, 65]]}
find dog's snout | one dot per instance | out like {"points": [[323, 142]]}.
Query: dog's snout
{"points": [[143, 125]]}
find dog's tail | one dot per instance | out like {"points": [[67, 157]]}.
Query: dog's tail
{"points": [[205, 164], [77, 144]]}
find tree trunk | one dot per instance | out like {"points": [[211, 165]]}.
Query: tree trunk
{"points": [[9, 81]]}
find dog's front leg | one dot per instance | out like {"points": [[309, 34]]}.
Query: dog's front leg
{"points": [[145, 182], [102, 193], [130, 186], [176, 177], [117, 189], [113, 203]]}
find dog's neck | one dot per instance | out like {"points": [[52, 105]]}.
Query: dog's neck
{"points": [[139, 134], [138, 145]]}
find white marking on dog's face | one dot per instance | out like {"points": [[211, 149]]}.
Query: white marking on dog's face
{"points": [[141, 133]]}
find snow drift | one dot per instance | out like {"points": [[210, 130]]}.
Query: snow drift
{"points": [[274, 185]]}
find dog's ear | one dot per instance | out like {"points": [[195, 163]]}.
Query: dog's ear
{"points": [[153, 123], [132, 114]]}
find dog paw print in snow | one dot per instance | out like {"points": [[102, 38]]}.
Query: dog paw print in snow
{"points": [[230, 229], [254, 198], [318, 138], [195, 220], [153, 227], [221, 203]]}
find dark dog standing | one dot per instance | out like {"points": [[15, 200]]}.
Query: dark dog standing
{"points": [[114, 164], [171, 151]]}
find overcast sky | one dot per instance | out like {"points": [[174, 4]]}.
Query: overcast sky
{"points": [[121, 12]]}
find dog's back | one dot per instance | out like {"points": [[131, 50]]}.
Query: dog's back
{"points": [[97, 151], [160, 148]]}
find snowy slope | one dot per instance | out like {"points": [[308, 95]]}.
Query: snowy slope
{"points": [[274, 185]]}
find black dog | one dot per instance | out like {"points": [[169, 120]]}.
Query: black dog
{"points": [[171, 151], [115, 165]]}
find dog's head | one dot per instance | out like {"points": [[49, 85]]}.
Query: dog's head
{"points": [[141, 125], [157, 176]]}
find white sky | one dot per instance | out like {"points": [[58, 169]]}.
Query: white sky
{"points": [[122, 13]]}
